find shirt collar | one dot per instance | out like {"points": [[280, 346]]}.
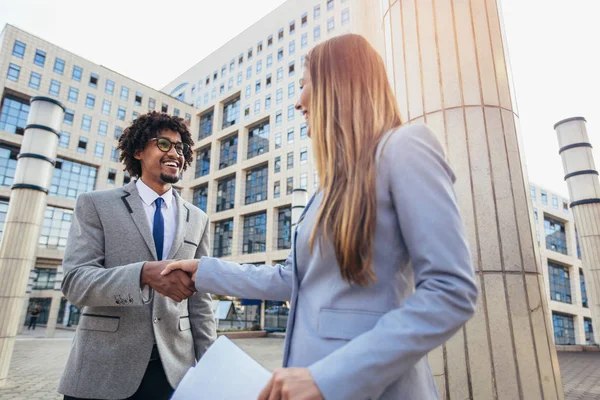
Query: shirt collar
{"points": [[148, 195]]}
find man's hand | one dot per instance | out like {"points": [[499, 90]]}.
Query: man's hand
{"points": [[291, 384], [176, 285], [189, 266]]}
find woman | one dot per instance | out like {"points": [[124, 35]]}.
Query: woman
{"points": [[380, 272]]}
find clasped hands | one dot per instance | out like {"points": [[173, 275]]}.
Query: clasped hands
{"points": [[285, 383], [176, 283]]}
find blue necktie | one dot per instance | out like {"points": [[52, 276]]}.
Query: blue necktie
{"points": [[158, 230]]}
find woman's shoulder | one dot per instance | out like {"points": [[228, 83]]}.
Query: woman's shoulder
{"points": [[405, 139]]}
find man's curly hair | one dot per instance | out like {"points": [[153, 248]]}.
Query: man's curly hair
{"points": [[146, 127]]}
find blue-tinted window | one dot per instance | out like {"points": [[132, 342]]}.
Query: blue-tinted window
{"points": [[292, 46], [201, 197], [71, 179], [13, 118], [106, 105], [203, 162], [13, 72], [124, 93], [86, 122], [555, 235], [560, 283], [110, 87], [138, 99], [290, 113], [304, 40], [114, 154], [69, 117], [102, 128], [258, 139], [589, 331], [121, 113], [584, 297], [82, 145], [55, 229], [255, 233], [303, 131], [73, 94], [34, 80], [206, 122], [64, 139], [345, 16], [284, 228], [54, 87], [90, 101], [99, 150], [118, 132], [223, 238], [317, 33], [77, 72], [59, 66], [18, 49], [564, 329], [257, 184], [39, 58], [226, 194], [228, 152], [93, 80], [8, 164]]}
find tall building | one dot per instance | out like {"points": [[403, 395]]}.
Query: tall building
{"points": [[100, 104], [561, 267]]}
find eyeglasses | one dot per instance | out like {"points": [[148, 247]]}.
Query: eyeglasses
{"points": [[166, 145]]}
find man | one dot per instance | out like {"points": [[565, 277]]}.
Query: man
{"points": [[130, 343], [33, 317]]}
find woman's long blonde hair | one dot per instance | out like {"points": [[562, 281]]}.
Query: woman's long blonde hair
{"points": [[352, 106]]}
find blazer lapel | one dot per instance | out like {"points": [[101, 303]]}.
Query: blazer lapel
{"points": [[133, 202], [183, 218]]}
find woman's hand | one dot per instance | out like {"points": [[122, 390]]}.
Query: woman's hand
{"points": [[189, 266], [291, 384]]}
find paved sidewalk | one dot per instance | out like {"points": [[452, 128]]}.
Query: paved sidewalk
{"points": [[38, 364]]}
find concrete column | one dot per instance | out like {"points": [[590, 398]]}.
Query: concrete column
{"points": [[584, 190], [299, 200], [24, 218], [447, 62], [53, 315]]}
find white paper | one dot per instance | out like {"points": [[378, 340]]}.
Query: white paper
{"points": [[224, 372]]}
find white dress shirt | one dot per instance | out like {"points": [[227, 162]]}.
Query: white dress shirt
{"points": [[169, 212]]}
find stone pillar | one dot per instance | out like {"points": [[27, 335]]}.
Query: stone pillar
{"points": [[53, 315], [447, 63], [24, 218], [584, 190], [299, 199]]}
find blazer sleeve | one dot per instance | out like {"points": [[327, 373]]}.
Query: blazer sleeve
{"points": [[86, 281], [263, 282], [200, 311], [420, 184]]}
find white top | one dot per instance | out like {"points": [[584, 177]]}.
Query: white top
{"points": [[169, 211]]}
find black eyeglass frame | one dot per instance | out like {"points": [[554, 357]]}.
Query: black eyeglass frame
{"points": [[184, 147]]}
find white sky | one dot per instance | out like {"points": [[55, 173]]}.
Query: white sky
{"points": [[552, 44]]}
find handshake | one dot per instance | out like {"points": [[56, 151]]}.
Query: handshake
{"points": [[171, 278]]}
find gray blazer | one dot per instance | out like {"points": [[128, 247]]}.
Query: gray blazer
{"points": [[371, 342], [109, 242]]}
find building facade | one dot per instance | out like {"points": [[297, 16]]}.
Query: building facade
{"points": [[564, 279], [100, 104]]}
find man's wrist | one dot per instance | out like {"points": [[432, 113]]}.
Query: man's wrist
{"points": [[144, 273]]}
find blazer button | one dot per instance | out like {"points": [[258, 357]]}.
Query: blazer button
{"points": [[155, 320]]}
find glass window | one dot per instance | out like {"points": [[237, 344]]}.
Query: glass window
{"points": [[226, 193], [138, 99], [258, 139], [64, 139], [13, 117], [213, 93], [106, 105], [136, 114], [555, 235], [292, 47], [304, 20], [69, 117], [565, 206], [8, 164], [532, 191], [278, 118], [317, 11], [256, 107], [206, 122], [303, 156], [317, 33], [280, 54], [18, 49], [303, 131], [267, 102], [45, 277], [239, 79], [99, 152], [230, 83], [54, 87], [246, 112], [82, 145], [103, 128], [203, 162], [114, 154], [223, 238], [303, 181], [291, 90], [258, 66], [289, 185], [255, 233], [59, 66], [93, 80], [290, 113], [77, 72], [269, 41], [73, 94], [248, 91], [118, 132], [564, 329], [290, 160], [304, 40], [330, 4], [544, 197], [151, 103], [231, 113], [280, 34], [292, 27], [584, 297], [231, 68], [268, 81], [165, 107], [589, 331], [176, 112], [55, 228], [34, 80], [3, 212], [277, 189], [345, 16], [555, 201], [269, 60], [124, 93], [121, 113], [279, 74], [39, 58], [110, 87], [13, 72], [201, 197], [86, 123], [71, 179], [228, 154], [257, 184], [90, 101], [248, 72], [112, 176], [277, 165], [290, 135], [222, 89], [330, 24], [278, 140], [560, 282]]}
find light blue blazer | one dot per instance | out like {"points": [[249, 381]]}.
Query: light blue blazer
{"points": [[371, 342]]}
